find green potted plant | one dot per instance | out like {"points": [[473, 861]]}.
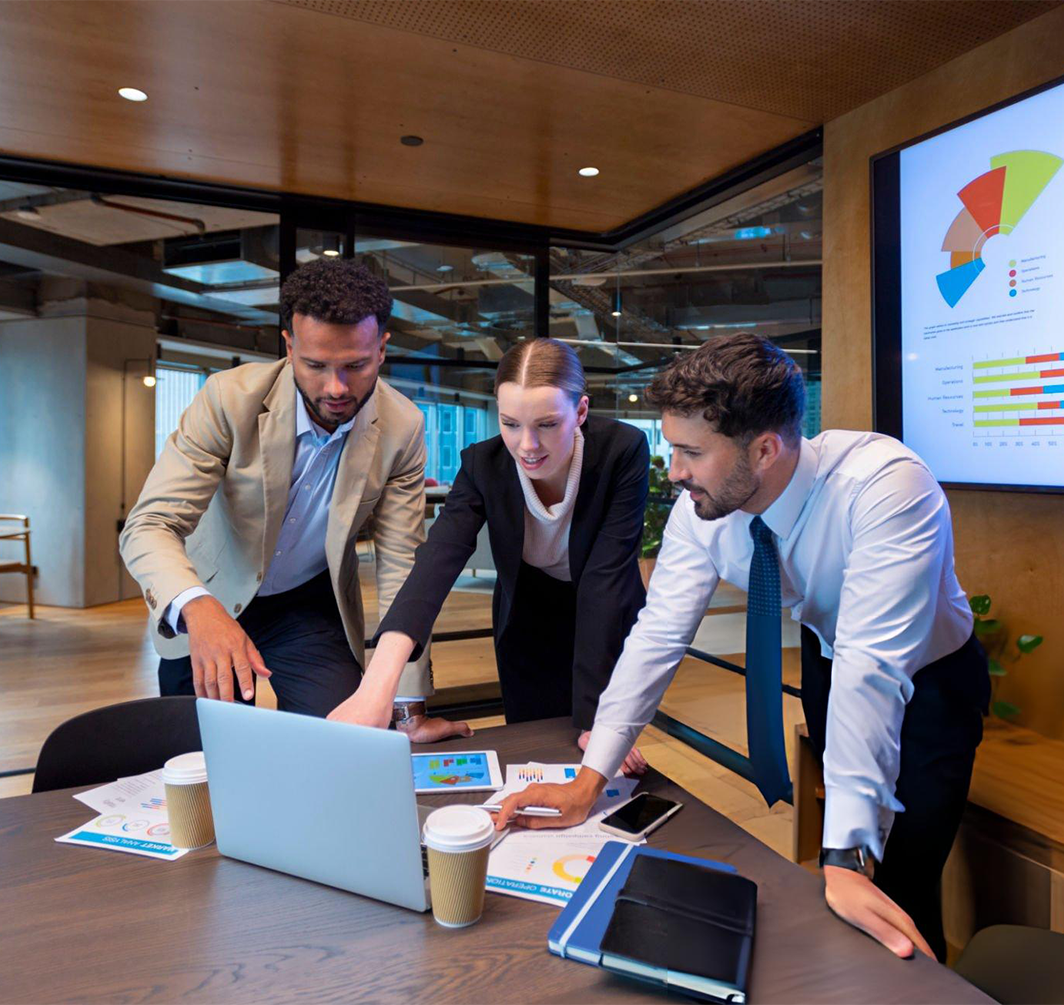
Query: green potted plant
{"points": [[656, 515], [995, 639]]}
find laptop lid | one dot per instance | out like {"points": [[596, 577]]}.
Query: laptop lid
{"points": [[326, 801]]}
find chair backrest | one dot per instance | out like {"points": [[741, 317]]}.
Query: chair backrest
{"points": [[116, 741], [1015, 964]]}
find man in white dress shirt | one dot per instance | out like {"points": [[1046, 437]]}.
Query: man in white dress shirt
{"points": [[894, 684]]}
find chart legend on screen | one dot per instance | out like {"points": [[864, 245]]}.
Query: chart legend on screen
{"points": [[1016, 394]]}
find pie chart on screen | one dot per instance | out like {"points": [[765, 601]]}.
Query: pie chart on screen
{"points": [[993, 203]]}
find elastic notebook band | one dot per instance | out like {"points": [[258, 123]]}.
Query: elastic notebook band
{"points": [[594, 896]]}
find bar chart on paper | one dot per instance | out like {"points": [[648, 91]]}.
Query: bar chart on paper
{"points": [[1018, 395]]}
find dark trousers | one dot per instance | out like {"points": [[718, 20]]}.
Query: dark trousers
{"points": [[302, 640], [534, 651], [943, 725]]}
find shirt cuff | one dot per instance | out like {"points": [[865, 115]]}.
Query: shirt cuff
{"points": [[172, 614], [606, 751], [851, 820]]}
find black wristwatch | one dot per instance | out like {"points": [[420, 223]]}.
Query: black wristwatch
{"points": [[858, 859]]}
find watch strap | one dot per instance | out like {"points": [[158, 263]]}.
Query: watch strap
{"points": [[857, 859], [404, 711]]}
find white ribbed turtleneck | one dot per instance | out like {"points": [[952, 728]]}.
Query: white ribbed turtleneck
{"points": [[547, 527]]}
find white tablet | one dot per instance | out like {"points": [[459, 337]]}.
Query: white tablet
{"points": [[460, 771]]}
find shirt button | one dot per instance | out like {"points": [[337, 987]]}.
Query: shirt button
{"points": [[291, 519], [306, 488], [237, 608], [277, 553]]}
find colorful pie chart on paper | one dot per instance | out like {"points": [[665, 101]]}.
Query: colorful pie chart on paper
{"points": [[993, 203], [573, 868]]}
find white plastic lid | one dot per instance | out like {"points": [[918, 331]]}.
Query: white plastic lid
{"points": [[186, 769], [459, 828]]}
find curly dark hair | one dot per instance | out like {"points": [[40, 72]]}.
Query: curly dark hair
{"points": [[743, 385], [336, 291]]}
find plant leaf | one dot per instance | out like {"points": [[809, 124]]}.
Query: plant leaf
{"points": [[1004, 709], [987, 626], [1028, 643], [980, 604], [997, 670]]}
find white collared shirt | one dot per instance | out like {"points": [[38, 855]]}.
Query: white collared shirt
{"points": [[299, 554], [547, 528], [866, 561]]}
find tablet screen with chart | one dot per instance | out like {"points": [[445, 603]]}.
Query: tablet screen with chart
{"points": [[969, 295], [460, 771]]}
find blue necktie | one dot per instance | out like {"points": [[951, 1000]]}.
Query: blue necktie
{"points": [[764, 669]]}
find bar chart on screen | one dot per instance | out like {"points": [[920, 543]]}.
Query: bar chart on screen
{"points": [[1019, 396]]}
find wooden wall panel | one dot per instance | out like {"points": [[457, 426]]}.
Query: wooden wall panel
{"points": [[1007, 544]]}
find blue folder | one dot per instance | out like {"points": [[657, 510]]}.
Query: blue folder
{"points": [[578, 932]]}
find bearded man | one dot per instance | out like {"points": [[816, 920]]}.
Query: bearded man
{"points": [[852, 532], [243, 538]]}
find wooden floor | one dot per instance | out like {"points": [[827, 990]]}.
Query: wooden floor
{"points": [[69, 661]]}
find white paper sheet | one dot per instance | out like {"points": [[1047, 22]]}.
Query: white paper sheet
{"points": [[125, 794], [547, 864], [542, 865], [132, 818]]}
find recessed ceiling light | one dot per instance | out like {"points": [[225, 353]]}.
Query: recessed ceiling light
{"points": [[331, 253], [149, 380], [411, 141], [633, 398], [615, 314], [589, 172], [132, 94], [444, 268]]}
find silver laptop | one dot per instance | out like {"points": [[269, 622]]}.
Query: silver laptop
{"points": [[323, 800]]}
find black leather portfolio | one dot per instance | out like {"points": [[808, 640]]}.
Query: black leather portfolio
{"points": [[683, 926]]}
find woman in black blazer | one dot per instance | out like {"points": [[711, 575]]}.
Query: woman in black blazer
{"points": [[560, 627]]}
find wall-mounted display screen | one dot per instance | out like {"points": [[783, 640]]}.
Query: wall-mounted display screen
{"points": [[968, 248]]}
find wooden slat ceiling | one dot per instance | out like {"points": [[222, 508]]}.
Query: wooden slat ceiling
{"points": [[511, 98]]}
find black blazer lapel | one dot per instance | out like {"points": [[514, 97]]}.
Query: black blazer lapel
{"points": [[506, 518]]}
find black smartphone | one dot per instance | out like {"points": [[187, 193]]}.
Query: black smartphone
{"points": [[639, 816]]}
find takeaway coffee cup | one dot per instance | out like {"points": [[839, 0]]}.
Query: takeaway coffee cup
{"points": [[458, 840], [188, 801]]}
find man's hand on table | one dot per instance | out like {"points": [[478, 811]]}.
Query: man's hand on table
{"points": [[856, 899], [635, 764], [219, 647], [574, 799], [432, 729]]}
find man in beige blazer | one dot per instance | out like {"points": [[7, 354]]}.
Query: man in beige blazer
{"points": [[243, 538]]}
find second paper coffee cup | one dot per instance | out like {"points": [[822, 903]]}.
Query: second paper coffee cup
{"points": [[458, 840], [188, 800]]}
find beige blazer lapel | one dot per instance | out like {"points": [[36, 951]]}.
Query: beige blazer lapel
{"points": [[277, 446], [360, 448]]}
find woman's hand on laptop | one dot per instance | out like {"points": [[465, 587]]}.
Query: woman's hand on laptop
{"points": [[574, 799], [370, 705], [635, 764]]}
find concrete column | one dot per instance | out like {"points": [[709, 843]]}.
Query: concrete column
{"points": [[63, 381]]}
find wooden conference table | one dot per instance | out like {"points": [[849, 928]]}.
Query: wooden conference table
{"points": [[85, 925]]}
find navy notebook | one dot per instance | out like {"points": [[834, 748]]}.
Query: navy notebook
{"points": [[577, 933]]}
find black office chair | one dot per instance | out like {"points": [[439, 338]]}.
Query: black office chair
{"points": [[1015, 964], [129, 738]]}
